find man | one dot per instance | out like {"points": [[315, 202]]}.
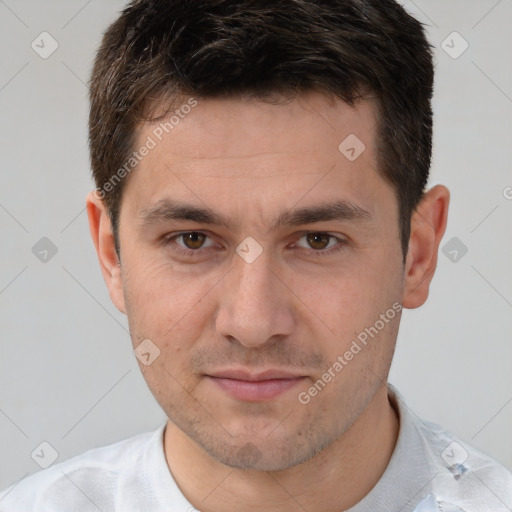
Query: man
{"points": [[261, 218]]}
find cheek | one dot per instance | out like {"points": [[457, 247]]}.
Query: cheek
{"points": [[349, 303], [347, 298], [163, 304]]}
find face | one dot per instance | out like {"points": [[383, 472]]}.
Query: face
{"points": [[254, 254]]}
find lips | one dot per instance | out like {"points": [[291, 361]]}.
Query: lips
{"points": [[254, 387]]}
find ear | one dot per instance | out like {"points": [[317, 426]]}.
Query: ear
{"points": [[428, 224], [103, 239]]}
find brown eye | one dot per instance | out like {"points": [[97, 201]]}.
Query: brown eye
{"points": [[189, 243], [318, 240], [193, 240]]}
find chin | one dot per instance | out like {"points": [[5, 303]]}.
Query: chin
{"points": [[262, 455]]}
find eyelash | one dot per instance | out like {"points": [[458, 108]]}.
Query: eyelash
{"points": [[316, 253]]}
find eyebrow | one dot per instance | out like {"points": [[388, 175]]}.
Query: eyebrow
{"points": [[166, 210]]}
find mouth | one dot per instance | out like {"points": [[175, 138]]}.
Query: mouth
{"points": [[251, 387]]}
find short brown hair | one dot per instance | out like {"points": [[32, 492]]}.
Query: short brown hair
{"points": [[165, 49]]}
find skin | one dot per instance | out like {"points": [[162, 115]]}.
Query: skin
{"points": [[290, 309]]}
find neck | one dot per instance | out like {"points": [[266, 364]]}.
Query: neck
{"points": [[335, 479]]}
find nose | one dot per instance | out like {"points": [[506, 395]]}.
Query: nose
{"points": [[255, 305]]}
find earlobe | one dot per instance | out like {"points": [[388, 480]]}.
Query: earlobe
{"points": [[428, 225], [100, 228]]}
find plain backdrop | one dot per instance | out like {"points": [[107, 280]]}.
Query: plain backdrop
{"points": [[68, 376]]}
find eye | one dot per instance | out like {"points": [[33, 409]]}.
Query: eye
{"points": [[191, 241], [322, 243]]}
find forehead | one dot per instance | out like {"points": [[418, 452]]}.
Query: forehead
{"points": [[245, 126], [237, 150]]}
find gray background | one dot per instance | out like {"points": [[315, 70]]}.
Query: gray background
{"points": [[67, 371]]}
